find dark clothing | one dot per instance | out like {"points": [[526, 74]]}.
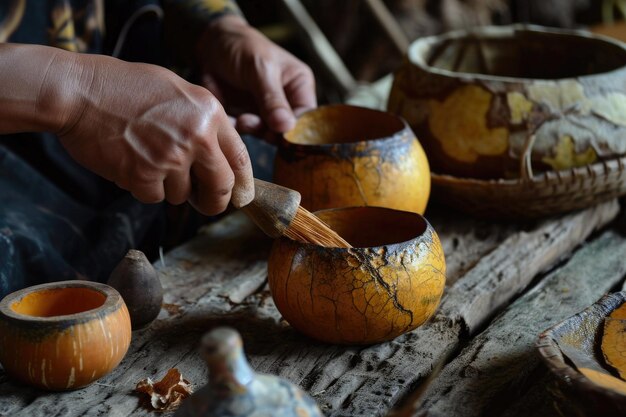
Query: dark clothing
{"points": [[58, 220]]}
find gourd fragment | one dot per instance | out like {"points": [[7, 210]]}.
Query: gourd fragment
{"points": [[614, 340]]}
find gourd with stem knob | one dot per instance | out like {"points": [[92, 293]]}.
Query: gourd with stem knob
{"points": [[235, 390]]}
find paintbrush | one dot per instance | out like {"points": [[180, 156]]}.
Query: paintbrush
{"points": [[277, 211]]}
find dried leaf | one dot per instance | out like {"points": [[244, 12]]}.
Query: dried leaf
{"points": [[614, 344], [604, 380], [168, 393]]}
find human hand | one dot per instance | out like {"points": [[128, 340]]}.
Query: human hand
{"points": [[155, 135], [240, 65]]}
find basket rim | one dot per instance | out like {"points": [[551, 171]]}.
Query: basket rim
{"points": [[551, 177], [415, 58]]}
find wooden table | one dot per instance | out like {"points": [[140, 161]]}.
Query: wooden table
{"points": [[505, 284]]}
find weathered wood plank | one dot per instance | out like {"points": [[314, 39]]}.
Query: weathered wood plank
{"points": [[537, 401], [373, 379], [502, 274], [196, 278], [208, 280], [500, 364], [465, 240]]}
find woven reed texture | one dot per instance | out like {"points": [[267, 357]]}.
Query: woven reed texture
{"points": [[548, 193]]}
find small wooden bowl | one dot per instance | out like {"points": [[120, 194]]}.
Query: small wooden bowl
{"points": [[582, 332], [389, 283], [342, 156], [63, 335]]}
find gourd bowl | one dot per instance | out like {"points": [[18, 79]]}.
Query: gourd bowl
{"points": [[63, 335], [517, 120], [344, 155], [388, 283]]}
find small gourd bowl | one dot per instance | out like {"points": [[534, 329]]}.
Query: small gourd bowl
{"points": [[389, 283], [517, 120], [344, 155], [63, 335], [582, 333]]}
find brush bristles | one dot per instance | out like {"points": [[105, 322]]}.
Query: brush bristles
{"points": [[307, 227]]}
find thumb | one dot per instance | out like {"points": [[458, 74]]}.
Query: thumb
{"points": [[273, 105]]}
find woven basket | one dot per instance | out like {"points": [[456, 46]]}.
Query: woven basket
{"points": [[545, 194], [488, 103], [573, 393]]}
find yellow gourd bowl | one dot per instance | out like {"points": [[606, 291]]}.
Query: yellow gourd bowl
{"points": [[499, 101], [342, 155], [63, 335], [388, 284]]}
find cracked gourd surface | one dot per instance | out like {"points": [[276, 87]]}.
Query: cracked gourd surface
{"points": [[341, 156], [366, 294], [614, 341]]}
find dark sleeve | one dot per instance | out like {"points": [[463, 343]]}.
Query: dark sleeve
{"points": [[185, 20]]}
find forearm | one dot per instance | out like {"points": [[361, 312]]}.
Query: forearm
{"points": [[39, 86]]}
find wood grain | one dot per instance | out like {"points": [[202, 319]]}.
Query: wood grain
{"points": [[219, 278], [499, 365]]}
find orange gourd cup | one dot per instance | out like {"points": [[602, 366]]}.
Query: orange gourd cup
{"points": [[343, 155], [63, 335], [389, 283]]}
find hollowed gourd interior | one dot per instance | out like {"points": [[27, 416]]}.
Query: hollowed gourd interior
{"points": [[58, 302], [343, 124], [366, 227], [527, 55]]}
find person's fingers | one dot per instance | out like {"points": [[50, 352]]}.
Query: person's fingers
{"points": [[249, 123], [148, 193], [208, 81], [213, 184], [238, 159], [270, 96], [252, 124], [300, 90], [177, 187], [144, 184]]}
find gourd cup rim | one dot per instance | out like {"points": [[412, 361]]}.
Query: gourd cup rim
{"points": [[112, 301], [352, 125], [411, 227]]}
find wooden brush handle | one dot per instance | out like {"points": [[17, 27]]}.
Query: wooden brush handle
{"points": [[273, 207]]}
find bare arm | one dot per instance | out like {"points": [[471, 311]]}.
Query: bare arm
{"points": [[138, 125], [30, 99]]}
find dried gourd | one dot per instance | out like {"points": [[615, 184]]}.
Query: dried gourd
{"points": [[614, 340], [604, 380], [619, 313], [138, 282], [63, 335], [388, 284]]}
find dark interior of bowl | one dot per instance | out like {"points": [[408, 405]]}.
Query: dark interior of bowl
{"points": [[343, 124], [527, 54], [366, 227]]}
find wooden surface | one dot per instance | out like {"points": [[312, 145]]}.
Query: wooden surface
{"points": [[506, 283]]}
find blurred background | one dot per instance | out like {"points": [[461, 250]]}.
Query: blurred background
{"points": [[353, 43]]}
